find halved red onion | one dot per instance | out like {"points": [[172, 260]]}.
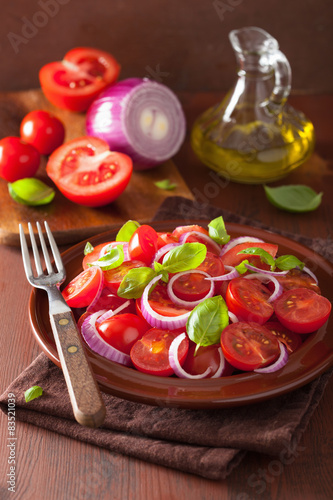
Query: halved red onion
{"points": [[162, 251], [139, 117], [233, 317], [236, 241], [174, 361], [265, 271], [158, 320], [233, 273], [113, 244], [184, 237], [186, 303], [98, 345], [99, 290], [278, 290], [108, 314], [278, 364]]}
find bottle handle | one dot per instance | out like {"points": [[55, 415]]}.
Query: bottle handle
{"points": [[282, 86]]}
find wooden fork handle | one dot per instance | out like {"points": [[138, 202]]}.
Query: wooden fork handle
{"points": [[88, 406]]}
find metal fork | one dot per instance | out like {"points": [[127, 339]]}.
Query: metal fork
{"points": [[87, 403]]}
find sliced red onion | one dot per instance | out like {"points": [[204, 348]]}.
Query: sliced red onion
{"points": [[98, 345], [174, 361], [233, 273], [310, 273], [158, 320], [184, 237], [108, 314], [236, 241], [233, 317], [114, 244], [99, 290], [163, 250], [278, 364], [265, 271], [139, 117], [265, 278], [186, 303], [222, 366]]}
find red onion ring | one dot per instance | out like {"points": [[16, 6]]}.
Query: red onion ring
{"points": [[186, 303], [236, 241], [310, 273], [265, 271], [99, 290], [108, 314], [278, 364], [114, 244], [233, 317], [98, 345], [183, 239], [222, 365], [174, 361], [162, 251], [225, 277], [264, 278]]}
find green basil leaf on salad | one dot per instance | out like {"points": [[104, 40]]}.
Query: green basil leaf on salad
{"points": [[32, 393], [31, 191], [207, 320], [184, 257], [287, 262], [264, 256], [217, 231], [126, 231], [241, 268], [293, 198], [160, 270], [165, 184], [88, 248], [114, 257], [135, 281]]}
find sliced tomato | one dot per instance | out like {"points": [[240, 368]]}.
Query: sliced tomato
{"points": [[248, 346], [122, 331], [94, 255], [298, 279], [81, 291], [210, 244], [150, 354], [187, 229], [291, 340], [88, 173], [113, 277], [160, 302], [248, 300], [205, 357], [232, 258], [302, 310], [143, 244], [76, 81], [109, 300], [165, 239]]}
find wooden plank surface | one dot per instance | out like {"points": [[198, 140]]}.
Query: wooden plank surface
{"points": [[68, 221]]}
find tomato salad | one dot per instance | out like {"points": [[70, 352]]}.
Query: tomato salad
{"points": [[194, 303]]}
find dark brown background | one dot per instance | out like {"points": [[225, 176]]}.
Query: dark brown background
{"points": [[186, 40]]}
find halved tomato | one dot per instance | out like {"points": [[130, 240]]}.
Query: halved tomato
{"points": [[143, 244], [160, 302], [113, 277], [296, 278], [76, 81], [291, 340], [88, 173], [248, 300], [187, 229], [81, 291], [233, 258]]}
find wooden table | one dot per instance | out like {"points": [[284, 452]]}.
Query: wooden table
{"points": [[54, 467]]}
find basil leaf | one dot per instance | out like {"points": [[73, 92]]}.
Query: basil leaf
{"points": [[160, 270], [166, 184], [184, 257], [217, 231], [264, 256], [135, 281], [126, 231], [294, 198], [113, 258], [241, 268], [88, 248], [207, 320], [287, 262], [31, 191], [34, 392]]}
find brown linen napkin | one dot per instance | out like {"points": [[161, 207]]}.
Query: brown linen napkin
{"points": [[209, 443]]}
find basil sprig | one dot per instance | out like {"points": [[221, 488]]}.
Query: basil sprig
{"points": [[179, 259], [284, 262], [207, 320], [217, 231]]}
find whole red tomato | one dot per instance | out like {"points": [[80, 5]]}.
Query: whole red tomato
{"points": [[17, 159], [43, 130]]}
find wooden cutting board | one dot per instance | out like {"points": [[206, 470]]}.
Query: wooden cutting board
{"points": [[68, 221]]}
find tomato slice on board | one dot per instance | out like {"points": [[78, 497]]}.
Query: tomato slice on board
{"points": [[302, 310], [231, 257], [296, 278], [122, 331], [248, 300], [291, 340], [81, 291], [76, 81], [143, 244], [248, 346], [88, 173], [113, 277], [150, 354]]}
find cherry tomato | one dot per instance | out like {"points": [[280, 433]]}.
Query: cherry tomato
{"points": [[88, 173], [165, 239], [150, 354], [143, 244], [302, 310], [81, 291], [291, 340], [75, 82], [160, 302], [109, 300], [205, 357], [17, 159], [248, 346], [248, 300], [113, 277], [211, 247], [122, 331], [231, 257], [43, 130], [94, 255], [298, 279], [186, 229]]}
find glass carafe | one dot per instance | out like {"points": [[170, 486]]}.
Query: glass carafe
{"points": [[253, 135]]}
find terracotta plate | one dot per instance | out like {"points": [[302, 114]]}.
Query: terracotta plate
{"points": [[313, 358]]}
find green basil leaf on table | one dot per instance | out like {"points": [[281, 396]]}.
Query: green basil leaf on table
{"points": [[32, 393], [135, 281], [165, 184], [295, 198], [126, 231], [217, 231], [31, 191]]}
